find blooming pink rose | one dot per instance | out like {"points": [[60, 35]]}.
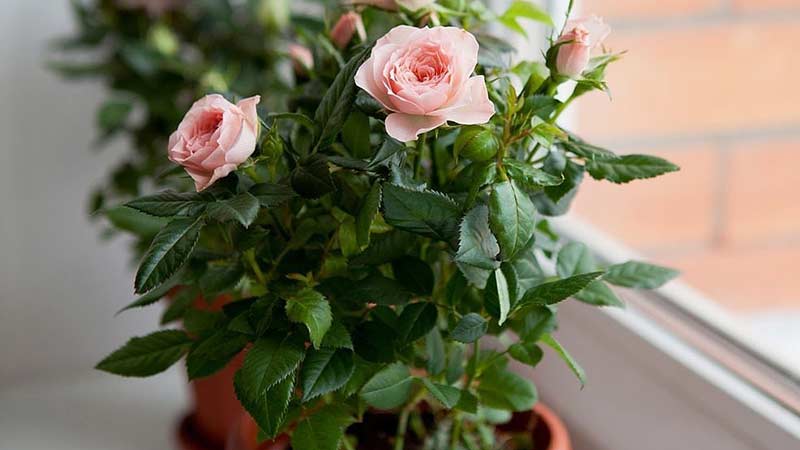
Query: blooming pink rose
{"points": [[422, 76], [154, 7], [583, 35], [301, 56], [348, 25], [215, 137]]}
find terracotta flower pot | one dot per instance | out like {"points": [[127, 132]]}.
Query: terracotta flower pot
{"points": [[215, 409], [547, 431], [218, 421]]}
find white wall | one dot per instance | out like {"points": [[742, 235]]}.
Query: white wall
{"points": [[59, 283]]}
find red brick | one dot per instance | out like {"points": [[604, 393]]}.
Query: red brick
{"points": [[747, 279], [762, 201], [695, 80], [637, 9], [674, 209], [765, 5]]}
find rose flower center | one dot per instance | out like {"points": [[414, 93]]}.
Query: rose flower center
{"points": [[204, 130]]}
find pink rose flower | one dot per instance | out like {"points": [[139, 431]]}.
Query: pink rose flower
{"points": [[583, 36], [348, 25], [301, 56], [215, 137], [153, 7], [422, 76]]}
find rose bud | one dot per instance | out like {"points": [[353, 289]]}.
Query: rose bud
{"points": [[476, 143], [215, 137], [348, 24], [423, 78], [581, 37], [302, 59]]}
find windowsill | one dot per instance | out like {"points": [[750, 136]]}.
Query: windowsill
{"points": [[653, 379]]}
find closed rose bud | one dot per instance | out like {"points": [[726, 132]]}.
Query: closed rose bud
{"points": [[346, 27], [215, 137], [302, 59], [476, 143], [581, 37]]}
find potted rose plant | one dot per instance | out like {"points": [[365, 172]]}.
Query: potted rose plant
{"points": [[379, 251]]}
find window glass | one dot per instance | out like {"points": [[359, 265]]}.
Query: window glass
{"points": [[709, 85]]}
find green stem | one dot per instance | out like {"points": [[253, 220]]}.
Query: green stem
{"points": [[476, 350], [458, 419], [419, 149], [250, 256], [458, 422], [402, 426], [346, 444]]}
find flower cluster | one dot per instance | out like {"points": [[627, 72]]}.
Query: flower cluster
{"points": [[371, 232]]}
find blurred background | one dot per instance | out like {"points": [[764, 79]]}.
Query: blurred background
{"points": [[708, 84]]}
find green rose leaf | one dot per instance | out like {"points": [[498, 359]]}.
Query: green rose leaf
{"points": [[147, 355], [503, 298], [170, 204], [477, 248], [564, 355], [367, 214], [156, 294], [526, 352], [627, 168], [530, 177], [511, 215], [325, 370], [312, 177], [271, 359], [413, 273], [339, 99], [536, 321], [575, 258], [272, 195], [169, 250], [434, 349], [507, 391], [337, 337], [634, 274], [416, 320], [242, 208], [355, 134], [266, 406], [556, 291], [389, 388], [597, 293], [470, 328], [322, 430], [379, 289], [136, 222], [213, 353], [427, 213], [309, 307], [521, 9], [448, 396]]}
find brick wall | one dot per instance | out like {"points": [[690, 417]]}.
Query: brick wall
{"points": [[713, 85]]}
